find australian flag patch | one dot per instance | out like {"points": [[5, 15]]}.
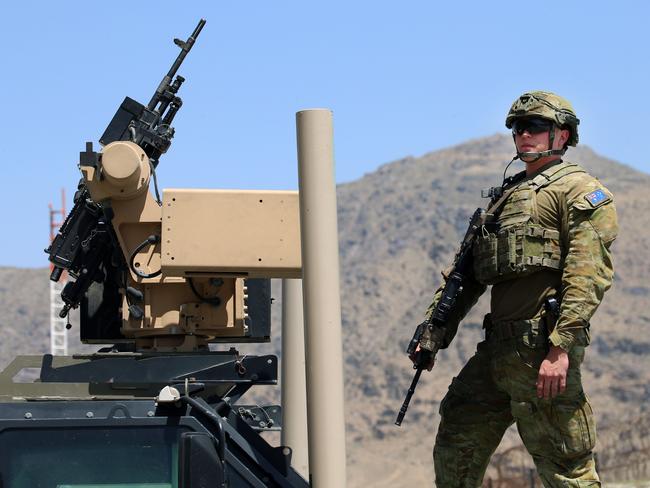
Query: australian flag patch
{"points": [[597, 197]]}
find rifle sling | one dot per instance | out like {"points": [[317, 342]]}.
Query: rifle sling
{"points": [[496, 206]]}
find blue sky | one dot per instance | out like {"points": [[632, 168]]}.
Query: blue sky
{"points": [[401, 78]]}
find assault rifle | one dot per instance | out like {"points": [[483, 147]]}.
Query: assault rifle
{"points": [[86, 245], [436, 324]]}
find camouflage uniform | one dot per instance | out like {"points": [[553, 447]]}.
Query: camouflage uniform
{"points": [[552, 240]]}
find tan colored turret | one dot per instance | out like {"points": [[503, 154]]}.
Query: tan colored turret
{"points": [[202, 243]]}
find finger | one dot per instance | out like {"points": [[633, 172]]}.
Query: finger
{"points": [[547, 388], [555, 386], [562, 384], [431, 364], [540, 386]]}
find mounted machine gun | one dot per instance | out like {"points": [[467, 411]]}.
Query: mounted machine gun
{"points": [[158, 279]]}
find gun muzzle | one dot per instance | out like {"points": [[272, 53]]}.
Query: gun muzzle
{"points": [[197, 30]]}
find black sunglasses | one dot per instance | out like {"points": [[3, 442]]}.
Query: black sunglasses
{"points": [[532, 126]]}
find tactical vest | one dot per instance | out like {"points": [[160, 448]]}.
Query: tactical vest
{"points": [[519, 245]]}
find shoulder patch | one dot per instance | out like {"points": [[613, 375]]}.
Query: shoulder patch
{"points": [[597, 198]]}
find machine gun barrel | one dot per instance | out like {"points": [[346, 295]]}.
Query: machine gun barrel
{"points": [[150, 126], [185, 46]]}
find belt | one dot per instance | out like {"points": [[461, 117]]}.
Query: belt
{"points": [[505, 330]]}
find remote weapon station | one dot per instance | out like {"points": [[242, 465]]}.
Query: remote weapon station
{"points": [[159, 279]]}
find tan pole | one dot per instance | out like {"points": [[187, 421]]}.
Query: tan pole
{"points": [[294, 389], [322, 303]]}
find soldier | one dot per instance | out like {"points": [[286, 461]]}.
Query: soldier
{"points": [[549, 264]]}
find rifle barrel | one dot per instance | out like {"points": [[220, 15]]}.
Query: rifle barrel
{"points": [[407, 400]]}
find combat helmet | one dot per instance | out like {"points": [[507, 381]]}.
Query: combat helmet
{"points": [[548, 106]]}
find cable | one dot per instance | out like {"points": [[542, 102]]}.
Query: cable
{"points": [[508, 165], [215, 301], [155, 182], [152, 239]]}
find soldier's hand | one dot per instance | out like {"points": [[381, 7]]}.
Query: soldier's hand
{"points": [[422, 358], [551, 380]]}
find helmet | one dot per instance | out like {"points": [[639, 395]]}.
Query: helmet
{"points": [[548, 106]]}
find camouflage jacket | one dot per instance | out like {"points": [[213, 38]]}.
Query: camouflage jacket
{"points": [[576, 215]]}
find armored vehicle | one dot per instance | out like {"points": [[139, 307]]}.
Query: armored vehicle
{"points": [[160, 281]]}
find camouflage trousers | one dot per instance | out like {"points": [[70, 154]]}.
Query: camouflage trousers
{"points": [[495, 389]]}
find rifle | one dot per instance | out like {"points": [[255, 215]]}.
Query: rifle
{"points": [[436, 324], [86, 240]]}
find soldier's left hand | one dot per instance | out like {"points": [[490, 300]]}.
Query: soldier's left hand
{"points": [[551, 380], [422, 358]]}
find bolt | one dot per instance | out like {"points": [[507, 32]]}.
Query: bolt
{"points": [[90, 415], [28, 415], [150, 413]]}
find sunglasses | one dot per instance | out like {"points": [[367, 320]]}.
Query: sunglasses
{"points": [[532, 126]]}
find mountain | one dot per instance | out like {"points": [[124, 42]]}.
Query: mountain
{"points": [[398, 227]]}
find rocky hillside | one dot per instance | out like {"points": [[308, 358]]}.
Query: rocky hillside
{"points": [[398, 227]]}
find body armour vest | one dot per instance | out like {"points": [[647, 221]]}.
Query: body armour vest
{"points": [[518, 245]]}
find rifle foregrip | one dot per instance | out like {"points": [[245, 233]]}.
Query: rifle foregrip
{"points": [[417, 337]]}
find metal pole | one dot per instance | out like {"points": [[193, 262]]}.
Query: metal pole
{"points": [[322, 302], [294, 389]]}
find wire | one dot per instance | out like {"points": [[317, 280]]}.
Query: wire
{"points": [[263, 409], [215, 301], [152, 239], [155, 182], [507, 166]]}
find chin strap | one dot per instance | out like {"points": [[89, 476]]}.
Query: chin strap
{"points": [[538, 155]]}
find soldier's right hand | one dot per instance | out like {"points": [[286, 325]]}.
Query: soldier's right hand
{"points": [[422, 358]]}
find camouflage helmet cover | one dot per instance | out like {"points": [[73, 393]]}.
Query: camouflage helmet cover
{"points": [[548, 106]]}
